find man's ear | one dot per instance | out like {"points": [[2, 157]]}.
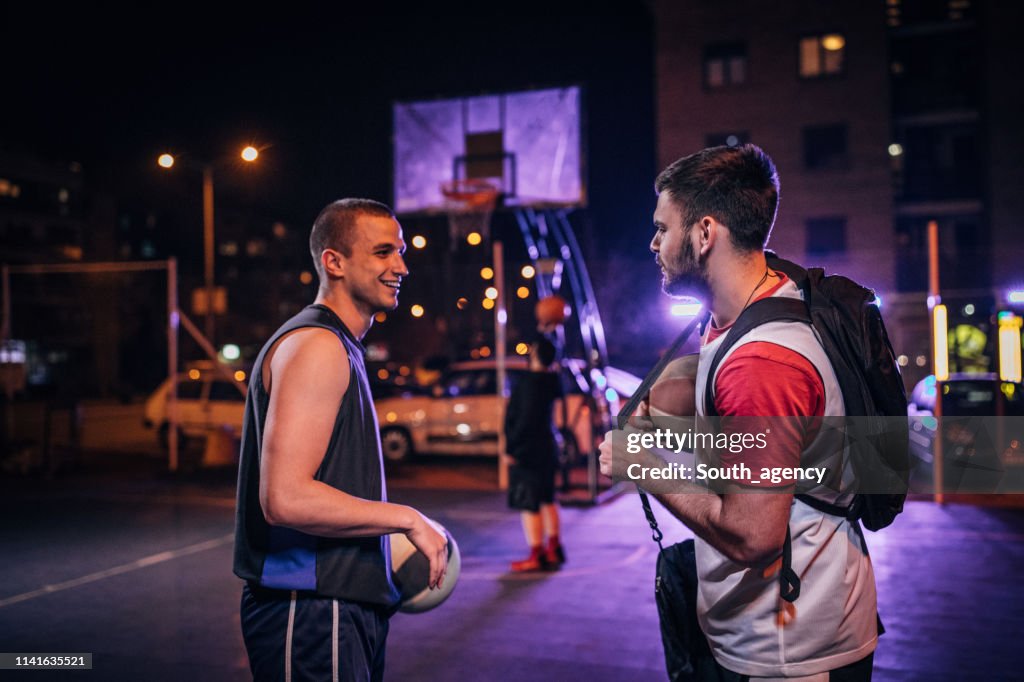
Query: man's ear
{"points": [[708, 230], [333, 263]]}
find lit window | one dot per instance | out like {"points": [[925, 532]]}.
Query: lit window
{"points": [[822, 55], [725, 64]]}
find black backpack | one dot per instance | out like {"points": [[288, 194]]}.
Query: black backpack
{"points": [[850, 328]]}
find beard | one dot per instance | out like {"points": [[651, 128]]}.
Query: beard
{"points": [[685, 275]]}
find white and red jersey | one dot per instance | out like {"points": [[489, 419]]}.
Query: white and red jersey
{"points": [[779, 369]]}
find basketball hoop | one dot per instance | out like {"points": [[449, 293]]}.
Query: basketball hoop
{"points": [[470, 203]]}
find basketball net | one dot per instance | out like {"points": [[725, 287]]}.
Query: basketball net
{"points": [[470, 203]]}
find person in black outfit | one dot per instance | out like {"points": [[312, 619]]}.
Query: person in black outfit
{"points": [[532, 444]]}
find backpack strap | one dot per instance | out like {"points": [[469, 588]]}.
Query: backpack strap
{"points": [[771, 309], [789, 581], [851, 513]]}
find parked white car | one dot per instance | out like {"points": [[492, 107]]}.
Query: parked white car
{"points": [[206, 401], [462, 416]]}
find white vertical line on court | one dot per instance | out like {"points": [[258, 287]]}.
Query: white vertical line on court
{"points": [[118, 570]]}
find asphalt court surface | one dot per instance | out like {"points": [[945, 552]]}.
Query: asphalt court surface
{"points": [[137, 571]]}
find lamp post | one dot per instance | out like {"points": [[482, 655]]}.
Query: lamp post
{"points": [[248, 154]]}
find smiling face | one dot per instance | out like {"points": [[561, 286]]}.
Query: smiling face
{"points": [[374, 271], [682, 272]]}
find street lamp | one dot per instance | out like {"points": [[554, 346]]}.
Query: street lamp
{"points": [[166, 161]]}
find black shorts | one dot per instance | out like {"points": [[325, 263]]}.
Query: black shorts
{"points": [[314, 638], [529, 488]]}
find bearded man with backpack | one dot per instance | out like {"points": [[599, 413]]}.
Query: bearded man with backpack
{"points": [[788, 368]]}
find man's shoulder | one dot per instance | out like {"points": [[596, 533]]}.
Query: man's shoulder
{"points": [[304, 353], [316, 340], [763, 377], [768, 355]]}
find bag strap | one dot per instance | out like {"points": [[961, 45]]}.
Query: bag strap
{"points": [[771, 309], [850, 513], [789, 581], [641, 392], [645, 386]]}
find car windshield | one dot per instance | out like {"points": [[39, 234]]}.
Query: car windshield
{"points": [[971, 397], [462, 383], [482, 381]]}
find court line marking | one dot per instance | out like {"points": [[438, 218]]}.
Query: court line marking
{"points": [[186, 499], [144, 562]]}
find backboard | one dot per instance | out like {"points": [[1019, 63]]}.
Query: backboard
{"points": [[526, 143]]}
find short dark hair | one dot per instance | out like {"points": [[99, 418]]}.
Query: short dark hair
{"points": [[545, 351], [334, 228], [737, 186]]}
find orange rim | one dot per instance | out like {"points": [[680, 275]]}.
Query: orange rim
{"points": [[473, 193]]}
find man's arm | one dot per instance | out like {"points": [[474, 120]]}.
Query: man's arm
{"points": [[309, 374], [746, 524], [747, 527]]}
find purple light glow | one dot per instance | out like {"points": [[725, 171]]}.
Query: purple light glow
{"points": [[686, 309]]}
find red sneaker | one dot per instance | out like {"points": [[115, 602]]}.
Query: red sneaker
{"points": [[534, 562], [554, 555]]}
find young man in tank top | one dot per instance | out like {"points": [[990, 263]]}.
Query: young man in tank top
{"points": [[714, 214], [312, 517]]}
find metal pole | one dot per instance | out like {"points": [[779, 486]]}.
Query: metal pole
{"points": [[208, 247], [933, 300], [500, 318], [5, 333], [172, 364]]}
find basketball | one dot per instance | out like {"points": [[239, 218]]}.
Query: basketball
{"points": [[411, 572], [674, 393], [551, 310]]}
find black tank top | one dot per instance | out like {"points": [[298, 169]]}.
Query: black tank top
{"points": [[353, 569]]}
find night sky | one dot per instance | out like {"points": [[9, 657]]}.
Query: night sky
{"points": [[313, 89], [113, 89]]}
